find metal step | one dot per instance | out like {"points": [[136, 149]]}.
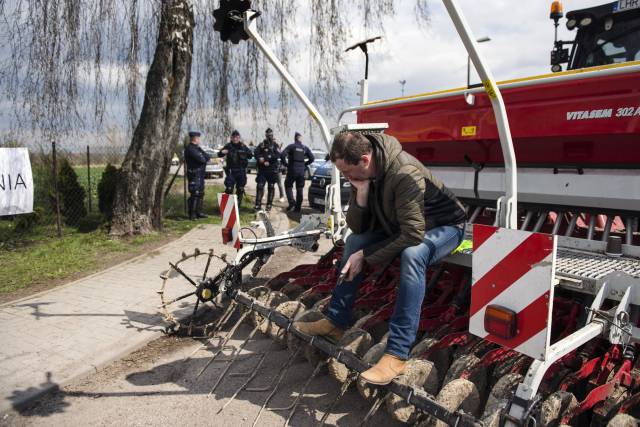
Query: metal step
{"points": [[591, 266]]}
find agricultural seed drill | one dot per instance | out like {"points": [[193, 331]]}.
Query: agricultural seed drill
{"points": [[536, 322]]}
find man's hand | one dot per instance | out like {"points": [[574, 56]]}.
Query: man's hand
{"points": [[225, 151], [354, 265], [362, 192]]}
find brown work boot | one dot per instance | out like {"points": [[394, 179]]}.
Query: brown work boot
{"points": [[322, 327], [387, 368]]}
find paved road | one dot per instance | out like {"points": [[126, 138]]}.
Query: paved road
{"points": [[50, 338]]}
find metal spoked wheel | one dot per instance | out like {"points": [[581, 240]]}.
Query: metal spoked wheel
{"points": [[185, 286]]}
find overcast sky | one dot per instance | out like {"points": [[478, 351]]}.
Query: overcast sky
{"points": [[432, 57]]}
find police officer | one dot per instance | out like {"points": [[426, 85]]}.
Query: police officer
{"points": [[238, 156], [296, 157], [267, 160], [196, 160]]}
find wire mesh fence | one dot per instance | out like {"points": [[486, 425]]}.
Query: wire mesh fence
{"points": [[74, 186]]}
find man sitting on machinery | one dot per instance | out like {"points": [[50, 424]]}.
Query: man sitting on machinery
{"points": [[397, 208]]}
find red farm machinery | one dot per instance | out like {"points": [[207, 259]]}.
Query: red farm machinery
{"points": [[535, 321]]}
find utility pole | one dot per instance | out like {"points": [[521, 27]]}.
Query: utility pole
{"points": [[402, 83], [480, 40]]}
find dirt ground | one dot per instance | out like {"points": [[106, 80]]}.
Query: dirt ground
{"points": [[169, 382]]}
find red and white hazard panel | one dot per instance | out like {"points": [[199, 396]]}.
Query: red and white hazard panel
{"points": [[230, 219], [512, 288]]}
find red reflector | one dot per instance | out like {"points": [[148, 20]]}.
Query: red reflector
{"points": [[226, 235], [501, 322]]}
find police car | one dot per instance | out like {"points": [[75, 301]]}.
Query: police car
{"points": [[214, 166], [318, 188]]}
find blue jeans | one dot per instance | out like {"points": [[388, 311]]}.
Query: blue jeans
{"points": [[414, 261]]}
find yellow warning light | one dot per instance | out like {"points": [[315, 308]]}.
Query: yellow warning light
{"points": [[557, 11]]}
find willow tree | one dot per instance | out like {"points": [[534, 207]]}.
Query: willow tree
{"points": [[140, 193], [68, 65]]}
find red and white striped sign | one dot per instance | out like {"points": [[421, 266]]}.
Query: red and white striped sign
{"points": [[230, 218], [514, 269]]}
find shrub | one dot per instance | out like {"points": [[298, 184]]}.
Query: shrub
{"points": [[26, 222], [71, 194], [107, 190], [90, 223]]}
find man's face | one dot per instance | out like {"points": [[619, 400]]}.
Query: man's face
{"points": [[359, 172], [195, 140], [235, 139]]}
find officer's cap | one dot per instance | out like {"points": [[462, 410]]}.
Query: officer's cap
{"points": [[297, 135], [269, 131], [235, 133], [194, 133]]}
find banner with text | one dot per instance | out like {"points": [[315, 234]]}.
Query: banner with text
{"points": [[16, 182]]}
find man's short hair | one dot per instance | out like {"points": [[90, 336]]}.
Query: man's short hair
{"points": [[350, 147]]}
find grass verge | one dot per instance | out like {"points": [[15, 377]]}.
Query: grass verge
{"points": [[42, 261]]}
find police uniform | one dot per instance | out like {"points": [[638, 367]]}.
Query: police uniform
{"points": [[196, 160], [296, 157], [267, 160], [237, 159]]}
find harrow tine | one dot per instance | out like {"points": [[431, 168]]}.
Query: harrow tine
{"points": [[181, 297], [246, 383], [235, 356], [281, 375], [183, 274], [224, 343], [193, 315], [294, 406], [223, 319], [206, 268], [343, 390], [374, 408]]}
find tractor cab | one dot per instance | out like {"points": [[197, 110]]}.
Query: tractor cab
{"points": [[606, 34]]}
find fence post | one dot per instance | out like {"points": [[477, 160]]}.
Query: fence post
{"points": [[89, 176], [173, 178], [184, 191], [55, 188]]}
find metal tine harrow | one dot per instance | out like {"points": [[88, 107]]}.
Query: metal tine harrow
{"points": [[228, 283], [343, 389], [354, 364]]}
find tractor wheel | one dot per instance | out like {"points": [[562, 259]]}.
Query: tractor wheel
{"points": [[459, 394], [290, 309], [623, 420], [419, 373], [467, 363], [266, 297], [310, 315], [322, 304], [371, 357], [499, 398], [356, 341], [422, 346], [362, 320], [378, 330], [555, 406], [292, 291]]}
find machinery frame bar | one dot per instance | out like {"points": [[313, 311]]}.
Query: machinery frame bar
{"points": [[334, 208], [509, 209]]}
